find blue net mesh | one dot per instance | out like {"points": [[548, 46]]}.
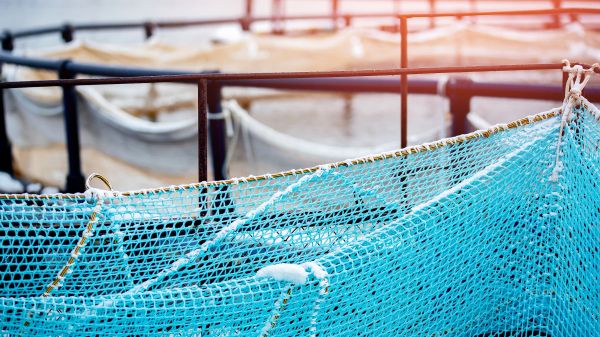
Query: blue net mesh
{"points": [[462, 237]]}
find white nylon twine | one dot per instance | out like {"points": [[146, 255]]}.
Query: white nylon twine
{"points": [[577, 80]]}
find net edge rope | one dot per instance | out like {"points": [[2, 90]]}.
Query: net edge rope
{"points": [[432, 146]]}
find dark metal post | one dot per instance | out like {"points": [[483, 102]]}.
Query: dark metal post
{"points": [[218, 141], [202, 145], [335, 6], [277, 13], [459, 95], [556, 20], [473, 8], [75, 180], [8, 41], [149, 29], [202, 132], [67, 32], [347, 21], [249, 5], [222, 202], [247, 19], [5, 146], [403, 82]]}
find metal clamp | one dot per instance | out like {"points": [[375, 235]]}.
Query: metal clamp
{"points": [[8, 41], [67, 32]]}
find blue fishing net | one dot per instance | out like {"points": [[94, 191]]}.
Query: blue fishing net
{"points": [[493, 233]]}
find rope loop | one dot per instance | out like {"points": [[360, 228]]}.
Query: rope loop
{"points": [[593, 68], [100, 177], [576, 82]]}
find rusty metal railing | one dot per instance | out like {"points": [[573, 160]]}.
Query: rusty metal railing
{"points": [[210, 84]]}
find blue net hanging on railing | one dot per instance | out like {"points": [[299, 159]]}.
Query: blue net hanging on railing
{"points": [[494, 233]]}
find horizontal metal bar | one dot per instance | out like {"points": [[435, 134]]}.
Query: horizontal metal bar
{"points": [[278, 75], [117, 71], [417, 86], [184, 23], [156, 23], [108, 26], [37, 31], [497, 1], [39, 63], [523, 91], [349, 84], [88, 68], [177, 24], [528, 12]]}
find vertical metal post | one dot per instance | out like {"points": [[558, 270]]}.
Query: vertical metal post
{"points": [[202, 146], [403, 82], [222, 202], [335, 6], [249, 5], [247, 19], [277, 13], [432, 10], [556, 20], [8, 41], [67, 32], [347, 21], [75, 181], [459, 95], [218, 141], [5, 146], [202, 132]]}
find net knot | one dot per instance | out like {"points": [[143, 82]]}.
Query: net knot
{"points": [[96, 193], [575, 92], [576, 81]]}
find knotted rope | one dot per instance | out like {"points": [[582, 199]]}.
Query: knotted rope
{"points": [[576, 82]]}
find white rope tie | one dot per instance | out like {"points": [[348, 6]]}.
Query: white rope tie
{"points": [[320, 274], [441, 85], [296, 275], [576, 82], [218, 115]]}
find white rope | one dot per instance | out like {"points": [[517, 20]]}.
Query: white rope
{"points": [[42, 107], [576, 81], [441, 86], [320, 274], [151, 131], [290, 143], [233, 131], [218, 115], [35, 107], [194, 255], [296, 275]]}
